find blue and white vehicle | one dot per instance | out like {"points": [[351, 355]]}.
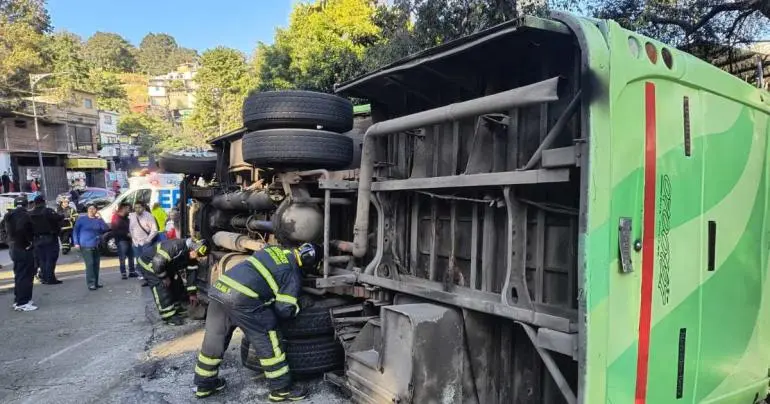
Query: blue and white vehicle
{"points": [[149, 189]]}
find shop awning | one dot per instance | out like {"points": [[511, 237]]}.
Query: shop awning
{"points": [[83, 164]]}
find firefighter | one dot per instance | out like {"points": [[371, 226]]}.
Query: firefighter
{"points": [[69, 215], [162, 263], [252, 296], [46, 227]]}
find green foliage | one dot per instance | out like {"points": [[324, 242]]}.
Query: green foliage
{"points": [[22, 25], [29, 12], [224, 79], [159, 54], [156, 135], [111, 94], [324, 44], [110, 52]]}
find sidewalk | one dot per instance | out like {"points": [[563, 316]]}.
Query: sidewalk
{"points": [[69, 266]]}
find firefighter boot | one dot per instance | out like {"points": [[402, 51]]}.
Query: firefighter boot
{"points": [[291, 393], [176, 319], [216, 386]]}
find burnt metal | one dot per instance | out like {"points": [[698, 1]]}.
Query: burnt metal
{"points": [[380, 238], [337, 184], [474, 180], [550, 364], [557, 341]]}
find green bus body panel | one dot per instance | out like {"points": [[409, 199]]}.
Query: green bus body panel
{"points": [[709, 330]]}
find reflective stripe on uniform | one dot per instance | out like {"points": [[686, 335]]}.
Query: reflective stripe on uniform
{"points": [[273, 361], [192, 288], [275, 343], [277, 373], [237, 286], [209, 361], [205, 373], [167, 315], [157, 303], [268, 277], [148, 267], [163, 253]]}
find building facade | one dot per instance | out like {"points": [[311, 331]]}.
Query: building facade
{"points": [[173, 94], [67, 142], [120, 151]]}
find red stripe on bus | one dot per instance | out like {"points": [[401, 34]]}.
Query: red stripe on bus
{"points": [[648, 244]]}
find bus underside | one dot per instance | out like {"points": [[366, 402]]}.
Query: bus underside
{"points": [[459, 233]]}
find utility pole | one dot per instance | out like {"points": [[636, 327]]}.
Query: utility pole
{"points": [[33, 80]]}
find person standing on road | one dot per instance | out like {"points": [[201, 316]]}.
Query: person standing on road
{"points": [[87, 237], [160, 219], [122, 236], [6, 180], [252, 296], [164, 263], [46, 227], [143, 229], [74, 194], [69, 215], [19, 228]]}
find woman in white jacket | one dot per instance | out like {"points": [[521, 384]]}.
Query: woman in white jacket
{"points": [[143, 229]]}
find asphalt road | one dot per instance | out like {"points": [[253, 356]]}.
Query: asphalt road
{"points": [[108, 346]]}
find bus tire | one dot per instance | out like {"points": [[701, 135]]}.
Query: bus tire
{"points": [[297, 109], [306, 357], [314, 318], [189, 165], [297, 149]]}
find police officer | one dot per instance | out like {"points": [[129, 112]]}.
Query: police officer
{"points": [[69, 215], [19, 228], [251, 296], [47, 225], [161, 263]]}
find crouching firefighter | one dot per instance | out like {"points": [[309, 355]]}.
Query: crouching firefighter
{"points": [[70, 215], [161, 263], [252, 296]]}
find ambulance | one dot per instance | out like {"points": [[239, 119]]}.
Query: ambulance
{"points": [[147, 188]]}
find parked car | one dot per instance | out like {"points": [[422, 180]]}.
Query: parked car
{"points": [[101, 197]]}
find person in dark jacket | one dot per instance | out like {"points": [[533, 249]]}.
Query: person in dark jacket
{"points": [[162, 263], [6, 180], [69, 215], [88, 237], [19, 228], [252, 296], [122, 237], [74, 194], [46, 227]]}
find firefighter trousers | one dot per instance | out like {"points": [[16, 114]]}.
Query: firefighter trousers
{"points": [[258, 323], [162, 295], [65, 236]]}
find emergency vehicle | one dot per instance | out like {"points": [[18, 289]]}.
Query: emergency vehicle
{"points": [[147, 188]]}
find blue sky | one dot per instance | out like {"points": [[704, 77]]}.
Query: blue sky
{"points": [[197, 24]]}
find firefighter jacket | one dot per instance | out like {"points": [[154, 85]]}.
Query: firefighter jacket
{"points": [[170, 257], [271, 275], [45, 221], [69, 217]]}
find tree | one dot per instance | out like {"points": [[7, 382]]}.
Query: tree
{"points": [[155, 52], [324, 44], [62, 52], [110, 52], [224, 80], [22, 25], [30, 12], [111, 94], [707, 28]]}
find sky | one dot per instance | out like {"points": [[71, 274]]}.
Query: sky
{"points": [[197, 24]]}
